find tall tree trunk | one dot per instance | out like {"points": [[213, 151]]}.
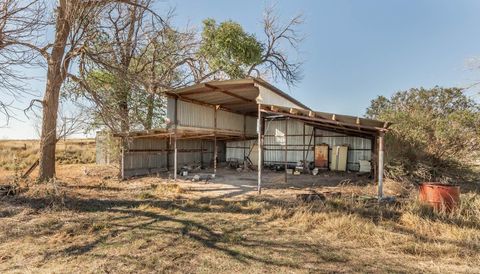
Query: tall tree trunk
{"points": [[123, 107], [150, 105], [55, 78]]}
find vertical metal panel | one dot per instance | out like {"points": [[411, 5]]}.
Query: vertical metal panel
{"points": [[101, 149], [358, 148], [194, 115], [271, 98], [229, 120], [236, 149], [171, 109], [251, 125], [296, 142], [145, 162]]}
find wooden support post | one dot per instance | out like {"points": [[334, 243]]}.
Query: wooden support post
{"points": [[259, 133], [380, 165], [286, 150]]}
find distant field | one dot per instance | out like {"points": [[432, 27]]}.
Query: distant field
{"points": [[22, 153]]}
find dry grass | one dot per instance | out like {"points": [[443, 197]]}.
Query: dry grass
{"points": [[95, 223], [19, 154]]}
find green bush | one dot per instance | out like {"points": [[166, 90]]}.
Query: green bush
{"points": [[435, 135]]}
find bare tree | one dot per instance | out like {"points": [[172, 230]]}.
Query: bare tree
{"points": [[20, 24], [126, 78], [72, 22], [275, 61]]}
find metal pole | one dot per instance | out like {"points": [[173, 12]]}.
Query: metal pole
{"points": [[286, 150], [380, 165], [215, 152], [122, 164], [201, 154], [259, 133], [304, 157], [175, 142], [175, 157]]}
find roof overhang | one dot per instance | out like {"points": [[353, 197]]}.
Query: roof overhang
{"points": [[234, 95], [329, 121]]}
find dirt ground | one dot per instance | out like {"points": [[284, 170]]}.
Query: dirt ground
{"points": [[87, 221]]}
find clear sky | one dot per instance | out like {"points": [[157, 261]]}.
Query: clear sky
{"points": [[354, 50]]}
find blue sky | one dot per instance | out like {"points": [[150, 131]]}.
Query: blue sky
{"points": [[354, 50]]}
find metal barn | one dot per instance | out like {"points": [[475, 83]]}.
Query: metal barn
{"points": [[252, 120]]}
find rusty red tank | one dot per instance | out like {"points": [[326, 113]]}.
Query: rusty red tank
{"points": [[441, 197]]}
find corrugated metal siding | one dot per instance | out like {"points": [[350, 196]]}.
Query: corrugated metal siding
{"points": [[147, 162], [251, 125], [230, 121], [106, 151], [171, 109], [194, 115], [358, 148], [238, 149], [271, 98], [101, 149], [297, 142]]}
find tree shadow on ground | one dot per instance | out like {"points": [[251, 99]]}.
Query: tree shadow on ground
{"points": [[127, 215]]}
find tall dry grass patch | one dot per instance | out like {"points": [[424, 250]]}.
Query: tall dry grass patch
{"points": [[20, 154]]}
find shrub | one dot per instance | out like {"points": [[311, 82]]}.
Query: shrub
{"points": [[435, 135]]}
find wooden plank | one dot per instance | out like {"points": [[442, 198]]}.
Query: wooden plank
{"points": [[30, 169]]}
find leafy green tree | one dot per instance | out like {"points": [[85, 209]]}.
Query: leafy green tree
{"points": [[228, 52], [228, 48], [435, 132]]}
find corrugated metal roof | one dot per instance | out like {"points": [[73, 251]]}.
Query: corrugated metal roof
{"points": [[240, 96], [332, 121], [235, 95]]}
